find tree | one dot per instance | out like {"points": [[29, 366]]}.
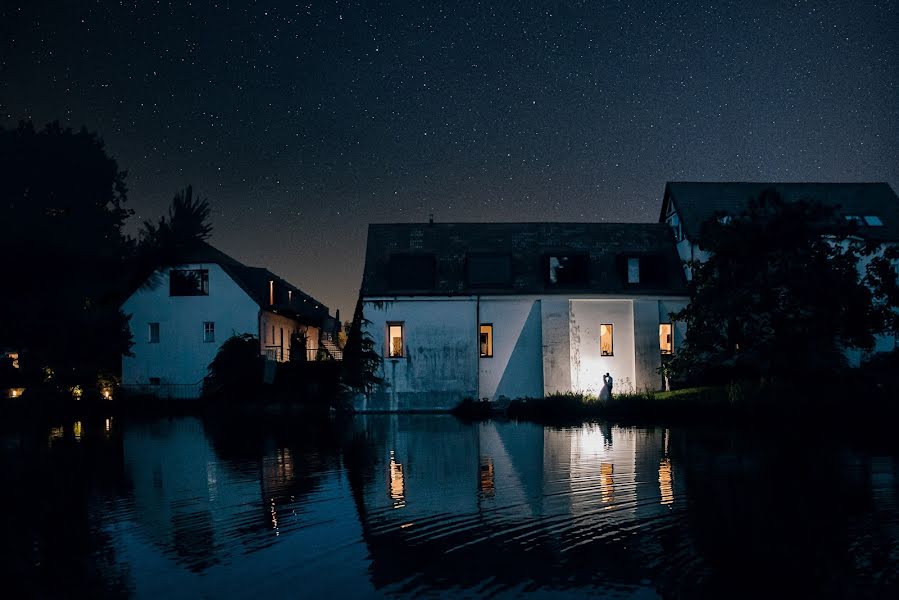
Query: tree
{"points": [[162, 243], [781, 295], [236, 370], [62, 210], [361, 361]]}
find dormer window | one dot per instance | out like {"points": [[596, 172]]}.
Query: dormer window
{"points": [[567, 270], [633, 270], [193, 282]]}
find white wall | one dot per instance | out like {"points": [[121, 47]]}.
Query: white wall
{"points": [[516, 368], [181, 356], [283, 328], [587, 365], [440, 366]]}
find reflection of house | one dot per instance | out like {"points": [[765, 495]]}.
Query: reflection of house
{"points": [[501, 504], [518, 309], [183, 314]]}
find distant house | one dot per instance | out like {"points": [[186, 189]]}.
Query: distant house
{"points": [[182, 314], [492, 310], [873, 206]]}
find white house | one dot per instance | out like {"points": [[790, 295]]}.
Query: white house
{"points": [[874, 207], [516, 310], [181, 315]]}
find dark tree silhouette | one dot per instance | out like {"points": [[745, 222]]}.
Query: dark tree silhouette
{"points": [[782, 294], [62, 209]]}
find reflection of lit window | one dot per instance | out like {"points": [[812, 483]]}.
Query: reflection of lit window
{"points": [[605, 339], [395, 340], [665, 487], [606, 482], [666, 343], [396, 483], [486, 340], [486, 477]]}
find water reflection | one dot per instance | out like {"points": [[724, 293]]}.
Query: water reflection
{"points": [[409, 505]]}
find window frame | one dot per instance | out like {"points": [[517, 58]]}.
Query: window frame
{"points": [[633, 261], [203, 274], [150, 339], [611, 330], [389, 341], [207, 330], [670, 338], [481, 327], [583, 270]]}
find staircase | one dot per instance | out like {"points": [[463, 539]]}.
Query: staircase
{"points": [[329, 345]]}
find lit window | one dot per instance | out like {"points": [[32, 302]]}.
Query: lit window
{"points": [[873, 221], [153, 333], [189, 282], [605, 339], [666, 342], [209, 331], [633, 270], [486, 340], [395, 340]]}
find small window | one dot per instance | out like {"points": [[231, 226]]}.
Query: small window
{"points": [[666, 341], [193, 282], [395, 340], [873, 221], [209, 331], [605, 340], [633, 270], [153, 333], [855, 219], [155, 381], [485, 341], [567, 270]]}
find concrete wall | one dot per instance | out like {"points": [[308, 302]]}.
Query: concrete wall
{"points": [[555, 321], [181, 356], [440, 366], [516, 368], [541, 345], [587, 365]]}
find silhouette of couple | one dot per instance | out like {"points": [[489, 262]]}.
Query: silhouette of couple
{"points": [[605, 394]]}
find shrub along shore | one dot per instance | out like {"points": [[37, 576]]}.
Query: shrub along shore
{"points": [[728, 403]]}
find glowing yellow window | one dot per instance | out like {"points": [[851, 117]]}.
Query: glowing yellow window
{"points": [[605, 339], [486, 340], [395, 340], [666, 341]]}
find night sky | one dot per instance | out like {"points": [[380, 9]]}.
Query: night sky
{"points": [[303, 122]]}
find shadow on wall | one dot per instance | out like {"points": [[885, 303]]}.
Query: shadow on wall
{"points": [[523, 375]]}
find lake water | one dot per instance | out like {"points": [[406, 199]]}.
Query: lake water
{"points": [[428, 505]]}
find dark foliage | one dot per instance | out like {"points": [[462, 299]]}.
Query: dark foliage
{"points": [[236, 371], [781, 295], [361, 362], [62, 209]]}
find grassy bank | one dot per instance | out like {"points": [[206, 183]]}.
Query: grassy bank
{"points": [[732, 403]]}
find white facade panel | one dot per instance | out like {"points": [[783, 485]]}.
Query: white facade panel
{"points": [[439, 366], [587, 364], [516, 368]]}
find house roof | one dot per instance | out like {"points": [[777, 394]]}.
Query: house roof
{"points": [[255, 282], [521, 251], [696, 202]]}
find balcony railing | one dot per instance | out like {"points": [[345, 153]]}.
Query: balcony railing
{"points": [[279, 354]]}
